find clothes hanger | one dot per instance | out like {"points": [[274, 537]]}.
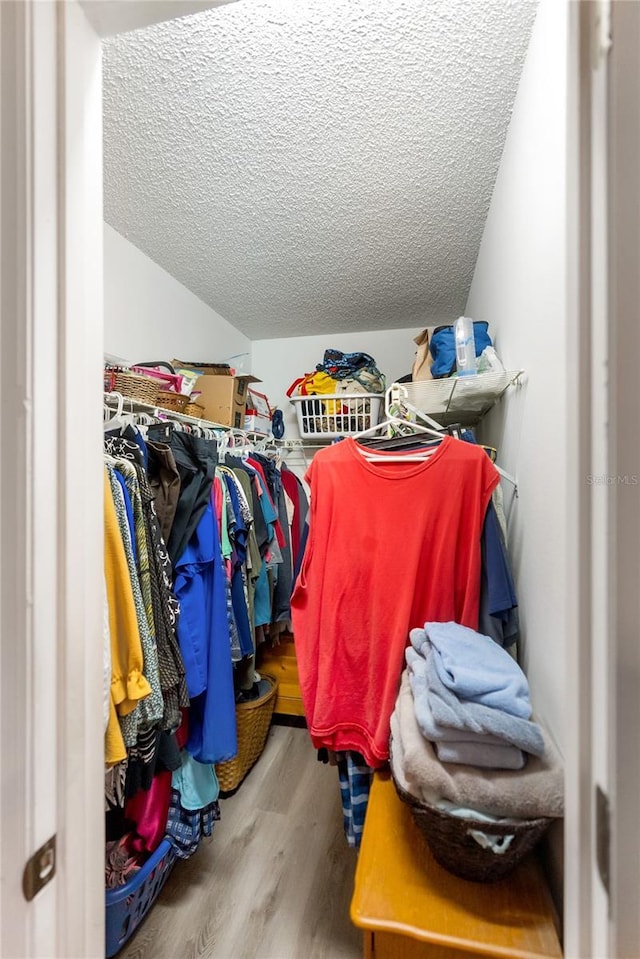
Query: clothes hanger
{"points": [[222, 441], [108, 410], [120, 419], [244, 446], [393, 405], [420, 454], [403, 426], [391, 420], [402, 441]]}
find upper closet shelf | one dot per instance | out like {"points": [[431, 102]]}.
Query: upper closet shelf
{"points": [[464, 400], [125, 404]]}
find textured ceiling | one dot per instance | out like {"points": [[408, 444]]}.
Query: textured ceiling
{"points": [[314, 166]]}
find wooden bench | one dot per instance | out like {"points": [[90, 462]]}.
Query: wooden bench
{"points": [[281, 661], [411, 908]]}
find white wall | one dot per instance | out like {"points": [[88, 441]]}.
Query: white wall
{"points": [[279, 362], [148, 315], [520, 286]]}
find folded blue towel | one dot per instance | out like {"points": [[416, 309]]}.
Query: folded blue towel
{"points": [[417, 671], [454, 745], [475, 668], [450, 711]]}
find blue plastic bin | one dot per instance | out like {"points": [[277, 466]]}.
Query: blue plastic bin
{"points": [[127, 906]]}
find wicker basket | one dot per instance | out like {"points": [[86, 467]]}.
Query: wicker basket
{"points": [[168, 400], [134, 387], [194, 409], [253, 721], [451, 840]]}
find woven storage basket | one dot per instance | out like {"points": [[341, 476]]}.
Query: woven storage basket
{"points": [[135, 387], [194, 409], [172, 401], [253, 721], [450, 839]]}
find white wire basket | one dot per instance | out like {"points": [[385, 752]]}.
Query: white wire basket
{"points": [[337, 414]]}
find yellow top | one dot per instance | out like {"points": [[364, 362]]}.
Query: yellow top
{"points": [[128, 685], [401, 889]]}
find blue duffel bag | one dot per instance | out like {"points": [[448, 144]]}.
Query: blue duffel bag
{"points": [[443, 347]]}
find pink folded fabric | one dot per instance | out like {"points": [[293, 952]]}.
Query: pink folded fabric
{"points": [[149, 811]]}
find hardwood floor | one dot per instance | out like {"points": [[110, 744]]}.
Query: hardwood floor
{"points": [[276, 878]]}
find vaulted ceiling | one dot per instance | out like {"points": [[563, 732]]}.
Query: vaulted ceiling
{"points": [[309, 166]]}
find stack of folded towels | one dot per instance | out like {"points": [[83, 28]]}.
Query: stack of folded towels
{"points": [[462, 732], [471, 698]]}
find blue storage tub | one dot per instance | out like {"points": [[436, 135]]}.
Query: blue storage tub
{"points": [[127, 906]]}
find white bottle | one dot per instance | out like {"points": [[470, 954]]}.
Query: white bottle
{"points": [[465, 346]]}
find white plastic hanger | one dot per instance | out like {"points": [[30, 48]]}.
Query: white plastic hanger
{"points": [[418, 456], [119, 420], [392, 400], [223, 443]]}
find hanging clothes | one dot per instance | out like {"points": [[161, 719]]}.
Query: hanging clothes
{"points": [[186, 828], [391, 545], [128, 684], [281, 608], [203, 633], [155, 572], [498, 614], [196, 460], [238, 578], [296, 492], [355, 778], [152, 707], [180, 626], [164, 480]]}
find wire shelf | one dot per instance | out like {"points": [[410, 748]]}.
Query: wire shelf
{"points": [[464, 399]]}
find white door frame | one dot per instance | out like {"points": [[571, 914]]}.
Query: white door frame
{"points": [[80, 557], [604, 512], [50, 509], [28, 394], [624, 412]]}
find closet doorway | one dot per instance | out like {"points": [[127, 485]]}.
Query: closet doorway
{"points": [[79, 897], [321, 173]]}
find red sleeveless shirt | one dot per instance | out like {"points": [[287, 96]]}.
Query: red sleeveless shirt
{"points": [[391, 546]]}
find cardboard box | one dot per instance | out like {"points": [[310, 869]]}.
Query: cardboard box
{"points": [[254, 423], [258, 403], [223, 396]]}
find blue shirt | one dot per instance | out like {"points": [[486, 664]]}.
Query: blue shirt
{"points": [[203, 634]]}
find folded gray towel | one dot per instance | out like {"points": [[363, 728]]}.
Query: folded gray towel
{"points": [[536, 790], [480, 754]]}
